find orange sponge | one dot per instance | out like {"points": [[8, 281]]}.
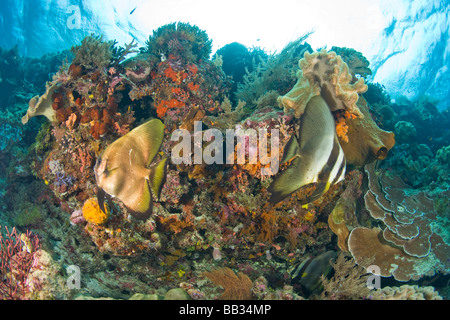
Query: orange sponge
{"points": [[92, 212]]}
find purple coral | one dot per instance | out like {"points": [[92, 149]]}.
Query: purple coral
{"points": [[63, 180], [17, 251]]}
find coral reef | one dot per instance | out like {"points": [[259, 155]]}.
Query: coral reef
{"points": [[343, 217], [276, 73], [213, 233], [179, 39], [406, 292], [357, 63], [349, 281], [93, 53], [405, 131], [443, 155], [324, 73], [237, 287], [412, 244], [239, 61], [17, 254], [42, 106]]}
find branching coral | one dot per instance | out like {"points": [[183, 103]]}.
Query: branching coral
{"points": [[17, 251], [348, 282], [93, 52], [274, 73]]}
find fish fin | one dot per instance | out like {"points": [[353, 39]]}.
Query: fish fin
{"points": [[320, 188], [157, 177], [140, 202], [149, 137], [101, 199], [291, 149], [287, 182], [319, 160]]}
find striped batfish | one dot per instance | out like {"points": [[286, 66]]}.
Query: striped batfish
{"points": [[317, 159], [124, 169]]}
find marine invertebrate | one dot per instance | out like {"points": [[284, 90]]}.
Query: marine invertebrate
{"points": [[92, 212], [343, 214], [357, 63], [9, 135], [406, 292], [405, 132], [323, 73], [365, 142], [77, 217], [349, 281], [272, 73], [42, 106], [17, 252], [237, 286], [180, 39], [409, 246], [443, 155], [93, 53]]}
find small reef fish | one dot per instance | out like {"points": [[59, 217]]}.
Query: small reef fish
{"points": [[124, 170], [308, 272], [131, 12], [317, 159]]}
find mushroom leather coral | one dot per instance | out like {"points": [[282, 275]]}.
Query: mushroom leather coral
{"points": [[41, 106], [323, 73], [365, 142]]}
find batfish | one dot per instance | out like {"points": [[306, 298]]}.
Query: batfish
{"points": [[317, 159], [124, 169]]}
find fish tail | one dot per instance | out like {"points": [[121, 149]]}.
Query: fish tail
{"points": [[157, 178]]}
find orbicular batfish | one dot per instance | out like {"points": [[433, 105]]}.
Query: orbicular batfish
{"points": [[317, 159], [124, 169]]}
